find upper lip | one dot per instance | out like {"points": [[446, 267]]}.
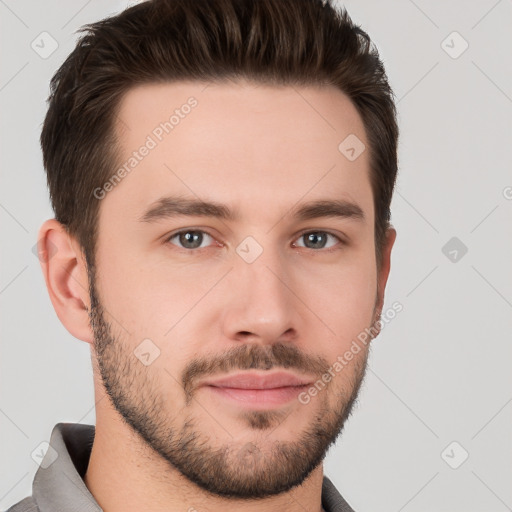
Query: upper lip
{"points": [[252, 380]]}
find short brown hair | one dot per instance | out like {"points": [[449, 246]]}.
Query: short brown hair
{"points": [[278, 42]]}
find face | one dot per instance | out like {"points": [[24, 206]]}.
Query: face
{"points": [[217, 325]]}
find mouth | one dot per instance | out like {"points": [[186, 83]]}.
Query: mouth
{"points": [[257, 390]]}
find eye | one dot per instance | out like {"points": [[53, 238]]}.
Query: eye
{"points": [[190, 238], [195, 239], [318, 239]]}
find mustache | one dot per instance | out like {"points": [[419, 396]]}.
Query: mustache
{"points": [[252, 357]]}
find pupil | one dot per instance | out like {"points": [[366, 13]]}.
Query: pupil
{"points": [[318, 241], [190, 239]]}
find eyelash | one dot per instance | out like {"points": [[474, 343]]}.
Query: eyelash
{"points": [[306, 232]]}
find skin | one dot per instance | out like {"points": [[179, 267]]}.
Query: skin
{"points": [[261, 150]]}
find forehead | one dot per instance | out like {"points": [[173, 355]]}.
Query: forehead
{"points": [[250, 146]]}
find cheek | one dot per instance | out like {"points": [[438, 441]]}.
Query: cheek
{"points": [[128, 293], [153, 299], [343, 297], [344, 301]]}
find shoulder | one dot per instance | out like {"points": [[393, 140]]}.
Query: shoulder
{"points": [[26, 505]]}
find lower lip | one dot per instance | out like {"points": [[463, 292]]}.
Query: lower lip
{"points": [[259, 398]]}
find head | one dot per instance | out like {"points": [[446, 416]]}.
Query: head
{"points": [[243, 108]]}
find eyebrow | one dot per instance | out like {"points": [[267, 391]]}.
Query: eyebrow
{"points": [[169, 207]]}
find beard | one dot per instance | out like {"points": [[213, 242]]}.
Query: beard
{"points": [[255, 469]]}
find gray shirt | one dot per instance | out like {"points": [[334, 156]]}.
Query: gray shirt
{"points": [[59, 487]]}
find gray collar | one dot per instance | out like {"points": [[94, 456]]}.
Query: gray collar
{"points": [[58, 483]]}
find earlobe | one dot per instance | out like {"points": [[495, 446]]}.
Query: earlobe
{"points": [[65, 274]]}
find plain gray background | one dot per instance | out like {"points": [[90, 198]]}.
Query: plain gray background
{"points": [[440, 371]]}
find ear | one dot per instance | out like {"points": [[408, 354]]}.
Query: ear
{"points": [[65, 272], [385, 266]]}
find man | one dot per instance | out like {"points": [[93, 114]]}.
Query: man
{"points": [[221, 174]]}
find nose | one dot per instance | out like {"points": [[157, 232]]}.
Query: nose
{"points": [[261, 306]]}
